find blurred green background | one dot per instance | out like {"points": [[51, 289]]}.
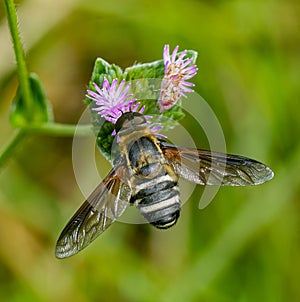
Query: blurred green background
{"points": [[245, 246]]}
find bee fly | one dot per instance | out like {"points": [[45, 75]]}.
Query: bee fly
{"points": [[145, 173]]}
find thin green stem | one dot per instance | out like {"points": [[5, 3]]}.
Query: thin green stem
{"points": [[49, 128], [20, 57], [57, 129], [10, 147]]}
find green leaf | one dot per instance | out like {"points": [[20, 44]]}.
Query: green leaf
{"points": [[41, 112], [153, 70], [105, 139]]}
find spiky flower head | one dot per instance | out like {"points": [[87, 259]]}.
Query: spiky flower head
{"points": [[178, 70], [113, 100]]}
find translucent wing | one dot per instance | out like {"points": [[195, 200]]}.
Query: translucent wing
{"points": [[212, 168], [106, 203]]}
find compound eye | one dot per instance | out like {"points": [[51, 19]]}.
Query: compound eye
{"points": [[126, 119], [126, 124], [139, 120]]}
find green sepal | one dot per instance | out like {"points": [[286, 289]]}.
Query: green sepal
{"points": [[39, 113]]}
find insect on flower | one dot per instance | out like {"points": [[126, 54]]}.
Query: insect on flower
{"points": [[146, 170]]}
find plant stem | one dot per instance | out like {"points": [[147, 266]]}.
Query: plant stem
{"points": [[57, 129], [50, 128], [47, 128], [19, 53], [10, 147]]}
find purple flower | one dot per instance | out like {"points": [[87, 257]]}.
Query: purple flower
{"points": [[113, 100], [178, 70]]}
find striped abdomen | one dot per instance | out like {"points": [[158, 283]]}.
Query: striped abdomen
{"points": [[155, 185]]}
